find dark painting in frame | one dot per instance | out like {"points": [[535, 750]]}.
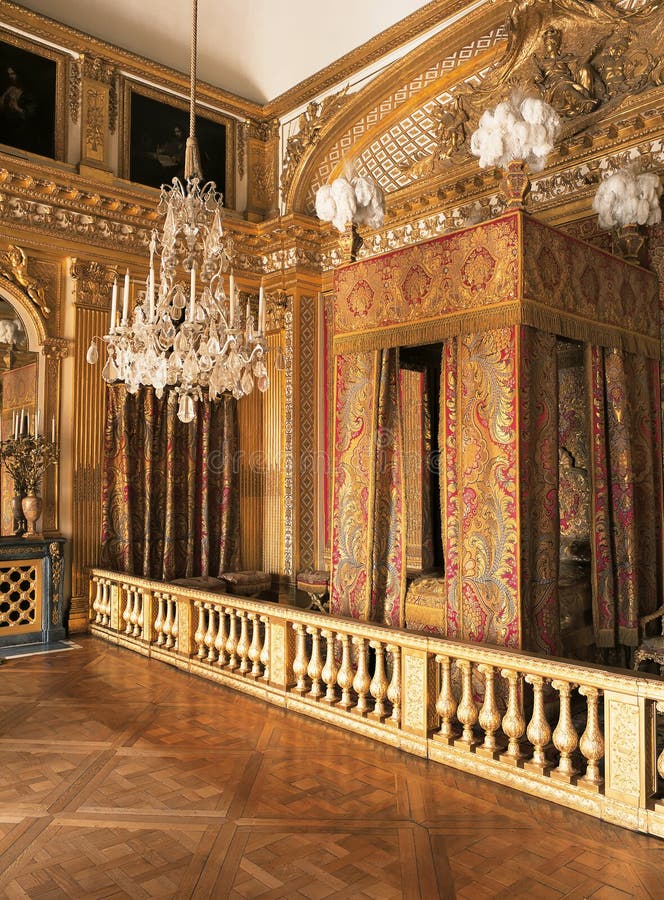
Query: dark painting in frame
{"points": [[157, 133], [29, 87]]}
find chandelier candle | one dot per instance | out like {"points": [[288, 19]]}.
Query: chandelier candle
{"points": [[114, 306]]}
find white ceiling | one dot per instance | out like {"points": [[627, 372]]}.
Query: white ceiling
{"points": [[254, 48]]}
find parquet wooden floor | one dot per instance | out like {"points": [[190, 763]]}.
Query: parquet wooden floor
{"points": [[121, 777]]}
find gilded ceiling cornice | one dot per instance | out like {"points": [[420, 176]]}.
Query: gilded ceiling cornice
{"points": [[142, 69], [397, 35], [77, 213], [454, 38]]}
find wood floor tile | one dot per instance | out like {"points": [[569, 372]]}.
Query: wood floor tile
{"points": [[123, 777]]}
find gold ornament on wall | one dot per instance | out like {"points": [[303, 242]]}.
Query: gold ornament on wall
{"points": [[14, 266]]}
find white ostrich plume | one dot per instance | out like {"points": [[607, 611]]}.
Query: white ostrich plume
{"points": [[358, 200], [629, 198], [524, 129]]}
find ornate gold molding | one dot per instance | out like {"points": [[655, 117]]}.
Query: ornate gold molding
{"points": [[309, 127], [14, 267], [56, 348], [94, 282]]}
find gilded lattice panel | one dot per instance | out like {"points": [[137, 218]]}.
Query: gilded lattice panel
{"points": [[408, 134], [20, 596], [306, 430]]}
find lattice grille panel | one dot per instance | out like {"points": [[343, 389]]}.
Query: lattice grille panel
{"points": [[391, 177], [20, 595]]}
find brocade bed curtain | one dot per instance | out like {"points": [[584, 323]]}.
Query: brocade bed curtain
{"points": [[369, 539], [170, 498], [627, 493]]}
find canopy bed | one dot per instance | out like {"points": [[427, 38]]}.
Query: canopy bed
{"points": [[546, 340]]}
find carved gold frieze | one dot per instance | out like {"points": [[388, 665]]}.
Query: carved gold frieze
{"points": [[14, 267], [310, 125], [74, 88], [94, 283]]}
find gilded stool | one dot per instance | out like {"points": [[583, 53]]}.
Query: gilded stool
{"points": [[317, 585]]}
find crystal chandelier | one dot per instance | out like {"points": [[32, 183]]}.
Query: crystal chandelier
{"points": [[186, 333]]}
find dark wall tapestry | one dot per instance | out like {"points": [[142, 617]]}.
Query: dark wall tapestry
{"points": [[170, 503]]}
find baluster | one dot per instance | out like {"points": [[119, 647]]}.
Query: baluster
{"points": [[159, 621], [330, 669], [222, 636], [489, 717], [514, 723], [467, 709], [199, 634], [446, 705], [345, 673], [565, 737], [362, 680], [175, 627], [126, 612], [231, 641], [315, 667], [539, 730], [378, 686], [133, 618], [96, 603], [140, 606], [300, 663], [243, 643], [106, 611], [255, 646], [659, 708], [592, 741], [107, 606], [210, 634], [265, 652], [168, 623], [394, 689]]}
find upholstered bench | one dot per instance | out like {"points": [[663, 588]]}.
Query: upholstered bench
{"points": [[317, 585], [247, 584]]}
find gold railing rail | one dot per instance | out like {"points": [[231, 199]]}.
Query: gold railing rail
{"points": [[578, 735]]}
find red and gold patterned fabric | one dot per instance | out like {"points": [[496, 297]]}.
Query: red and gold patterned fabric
{"points": [[498, 294], [368, 556], [626, 493], [170, 501], [513, 270]]}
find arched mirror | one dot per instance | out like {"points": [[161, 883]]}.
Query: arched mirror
{"points": [[18, 394]]}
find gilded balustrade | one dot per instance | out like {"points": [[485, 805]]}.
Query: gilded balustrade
{"points": [[576, 735]]}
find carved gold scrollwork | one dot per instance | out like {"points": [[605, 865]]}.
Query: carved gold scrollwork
{"points": [[94, 282], [309, 127], [75, 81], [14, 267]]}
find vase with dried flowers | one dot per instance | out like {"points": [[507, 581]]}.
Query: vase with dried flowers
{"points": [[26, 457]]}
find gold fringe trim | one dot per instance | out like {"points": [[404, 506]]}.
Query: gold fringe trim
{"points": [[577, 328], [524, 312], [411, 334]]}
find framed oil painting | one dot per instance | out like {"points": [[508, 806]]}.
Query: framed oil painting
{"points": [[155, 138], [31, 98]]}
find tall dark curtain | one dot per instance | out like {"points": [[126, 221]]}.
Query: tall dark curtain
{"points": [[170, 501], [627, 493]]}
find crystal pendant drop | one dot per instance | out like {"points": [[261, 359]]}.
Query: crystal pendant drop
{"points": [[92, 356], [186, 409]]}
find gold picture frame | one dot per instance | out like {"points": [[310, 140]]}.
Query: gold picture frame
{"points": [[155, 126]]}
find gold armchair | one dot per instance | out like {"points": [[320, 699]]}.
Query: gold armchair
{"points": [[651, 648]]}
